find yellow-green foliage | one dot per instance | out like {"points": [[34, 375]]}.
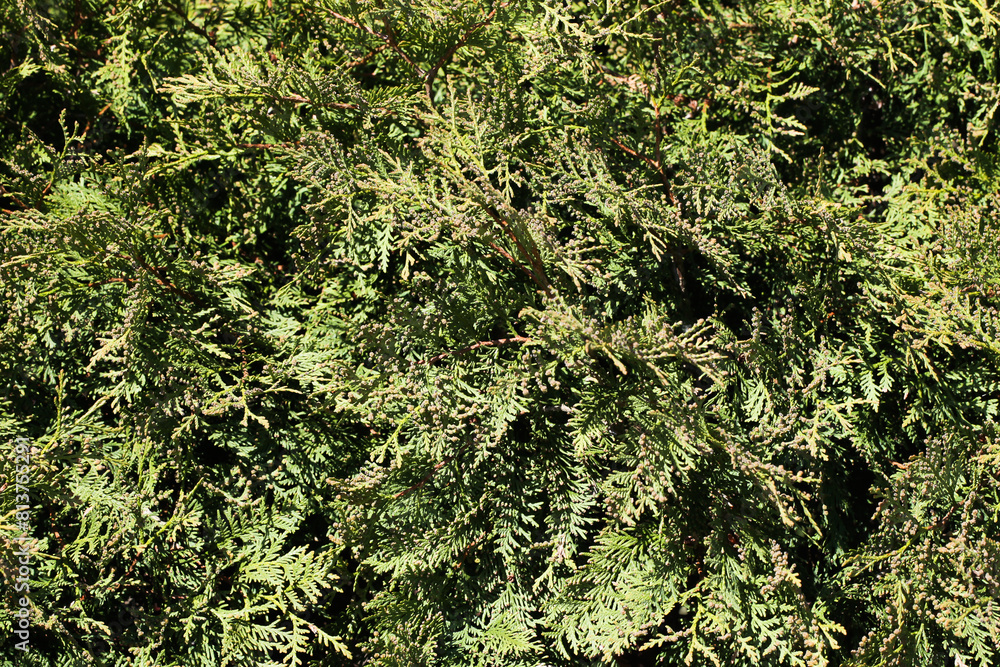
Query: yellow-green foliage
{"points": [[502, 333]]}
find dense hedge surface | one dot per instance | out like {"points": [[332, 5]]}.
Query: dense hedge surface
{"points": [[501, 333]]}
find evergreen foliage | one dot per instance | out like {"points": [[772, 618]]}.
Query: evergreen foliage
{"points": [[502, 333]]}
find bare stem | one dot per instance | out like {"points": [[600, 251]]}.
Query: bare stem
{"points": [[475, 346], [443, 60]]}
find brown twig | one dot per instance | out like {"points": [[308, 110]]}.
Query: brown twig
{"points": [[510, 258], [298, 99], [426, 478], [652, 163], [940, 523], [164, 281], [86, 128], [6, 193], [166, 284], [122, 579], [465, 554], [389, 38], [361, 61], [537, 272], [191, 24], [393, 42], [475, 346], [443, 60], [284, 144], [658, 129], [98, 283], [656, 164]]}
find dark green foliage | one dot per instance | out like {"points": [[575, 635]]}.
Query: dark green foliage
{"points": [[472, 333]]}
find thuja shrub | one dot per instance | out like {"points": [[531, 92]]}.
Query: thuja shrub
{"points": [[500, 333]]}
